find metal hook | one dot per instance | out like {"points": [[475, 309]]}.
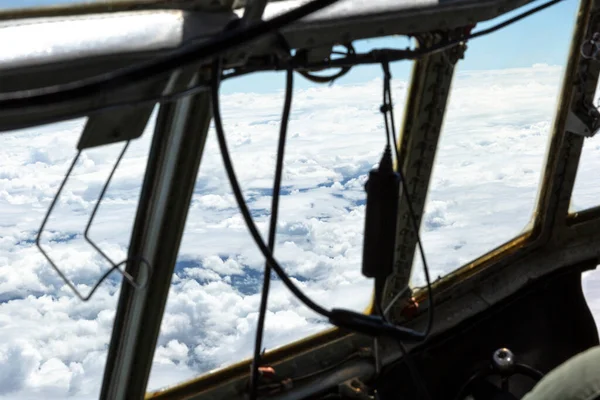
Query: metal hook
{"points": [[126, 275]]}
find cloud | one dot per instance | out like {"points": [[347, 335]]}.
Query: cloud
{"points": [[54, 346], [477, 201]]}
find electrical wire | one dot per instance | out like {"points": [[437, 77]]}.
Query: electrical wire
{"points": [[272, 232], [191, 54], [353, 321], [414, 372], [289, 87], [390, 55], [388, 110], [330, 78], [237, 191], [267, 251], [390, 136], [324, 79], [514, 19]]}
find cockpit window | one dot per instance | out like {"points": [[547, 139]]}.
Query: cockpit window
{"points": [[493, 144], [483, 191], [335, 137]]}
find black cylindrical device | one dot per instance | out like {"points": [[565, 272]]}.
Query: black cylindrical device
{"points": [[383, 189]]}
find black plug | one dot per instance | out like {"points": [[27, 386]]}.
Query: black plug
{"points": [[372, 325]]}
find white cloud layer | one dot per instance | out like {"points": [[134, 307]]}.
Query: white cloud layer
{"points": [[54, 346]]}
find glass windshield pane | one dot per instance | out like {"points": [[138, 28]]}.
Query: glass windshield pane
{"points": [[53, 344], [335, 137], [492, 149]]}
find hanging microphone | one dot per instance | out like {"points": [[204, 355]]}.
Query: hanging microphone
{"points": [[383, 188]]}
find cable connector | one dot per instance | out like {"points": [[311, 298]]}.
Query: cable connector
{"points": [[371, 325], [386, 165]]}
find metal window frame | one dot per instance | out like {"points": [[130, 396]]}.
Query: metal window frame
{"points": [[177, 150]]}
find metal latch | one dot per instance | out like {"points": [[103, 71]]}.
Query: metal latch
{"points": [[586, 125]]}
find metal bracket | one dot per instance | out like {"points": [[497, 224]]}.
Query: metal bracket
{"points": [[318, 53], [585, 120], [583, 125], [590, 49]]}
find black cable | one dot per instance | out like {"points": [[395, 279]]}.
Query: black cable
{"points": [[388, 109], [289, 87], [237, 191], [128, 76], [389, 55], [330, 78], [415, 226], [353, 321], [514, 19], [324, 79], [266, 251], [414, 372]]}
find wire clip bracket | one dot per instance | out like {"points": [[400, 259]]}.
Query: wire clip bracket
{"points": [[114, 266]]}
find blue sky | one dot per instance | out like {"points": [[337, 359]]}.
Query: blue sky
{"points": [[499, 47], [548, 24]]}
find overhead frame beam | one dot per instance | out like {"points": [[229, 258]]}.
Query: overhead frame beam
{"points": [[153, 34], [177, 148]]}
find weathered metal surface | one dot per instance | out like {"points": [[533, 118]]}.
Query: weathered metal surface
{"points": [[179, 138], [424, 115], [565, 147]]}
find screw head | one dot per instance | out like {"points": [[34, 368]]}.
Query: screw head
{"points": [[503, 359]]}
